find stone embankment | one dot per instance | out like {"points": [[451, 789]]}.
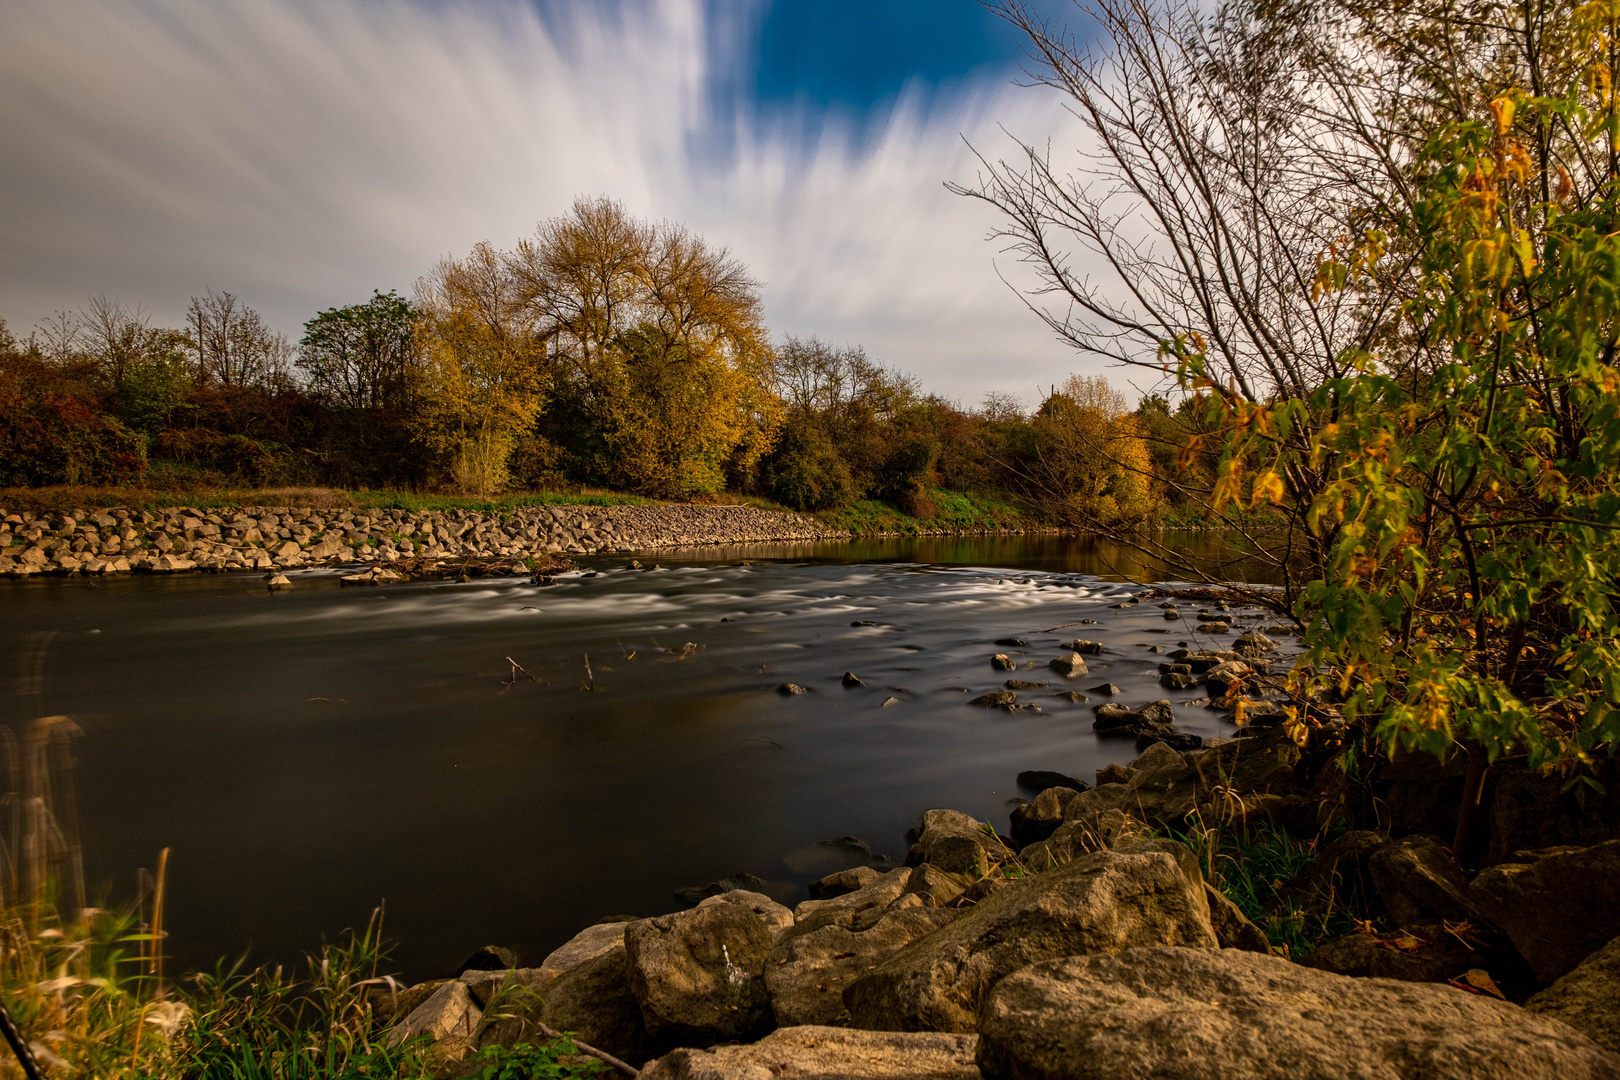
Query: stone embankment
{"points": [[280, 538]]}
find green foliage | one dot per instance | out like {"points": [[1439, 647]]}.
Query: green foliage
{"points": [[360, 356], [1470, 509], [954, 511], [805, 471], [528, 1062]]}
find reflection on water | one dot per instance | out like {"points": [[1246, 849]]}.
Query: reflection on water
{"points": [[310, 752]]}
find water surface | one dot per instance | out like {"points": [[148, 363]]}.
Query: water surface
{"points": [[308, 753]]}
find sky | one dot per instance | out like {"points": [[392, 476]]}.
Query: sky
{"points": [[301, 153]]}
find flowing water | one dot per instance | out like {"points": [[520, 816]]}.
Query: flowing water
{"points": [[306, 754]]}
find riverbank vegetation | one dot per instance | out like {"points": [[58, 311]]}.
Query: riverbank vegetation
{"points": [[1382, 263], [602, 354]]}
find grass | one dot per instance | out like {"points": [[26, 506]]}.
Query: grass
{"points": [[1251, 868], [957, 511]]}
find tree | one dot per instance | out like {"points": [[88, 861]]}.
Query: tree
{"points": [[360, 356], [1381, 256], [231, 346], [654, 344], [1094, 464], [480, 382]]}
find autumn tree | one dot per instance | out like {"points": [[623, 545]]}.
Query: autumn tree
{"points": [[480, 379], [655, 347], [1094, 465]]}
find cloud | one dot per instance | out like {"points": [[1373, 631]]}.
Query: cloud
{"points": [[301, 154]]}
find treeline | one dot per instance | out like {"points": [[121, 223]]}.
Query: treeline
{"points": [[603, 351]]}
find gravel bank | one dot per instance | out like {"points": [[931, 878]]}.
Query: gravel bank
{"points": [[265, 538]]}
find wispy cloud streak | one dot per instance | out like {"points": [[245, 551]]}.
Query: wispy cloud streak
{"points": [[302, 153]]}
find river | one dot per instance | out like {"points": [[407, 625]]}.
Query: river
{"points": [[308, 753]]}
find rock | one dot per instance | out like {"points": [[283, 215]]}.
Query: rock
{"points": [[1588, 998], [1529, 812], [1114, 774], [1171, 613], [789, 689], [1199, 1014], [1107, 688], [699, 975], [1160, 712], [1002, 662], [1233, 928], [489, 958], [1087, 648], [594, 1000], [1558, 907], [957, 844], [1074, 697], [1227, 678], [506, 988], [1421, 883], [1038, 780], [1254, 641], [1168, 735], [1101, 902], [277, 582], [851, 679], [1070, 665], [1012, 642], [588, 944], [1435, 959], [775, 917], [934, 886], [827, 1053], [876, 894], [996, 699], [1035, 821], [694, 894], [843, 882], [449, 1017], [1176, 680], [807, 973]]}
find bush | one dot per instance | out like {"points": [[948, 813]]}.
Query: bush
{"points": [[806, 473], [50, 433]]}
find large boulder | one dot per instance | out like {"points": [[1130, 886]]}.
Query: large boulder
{"points": [[1588, 998], [807, 973], [1557, 906], [1421, 883], [776, 917], [1198, 1014], [1529, 812], [699, 975], [593, 999], [957, 844], [1098, 903], [827, 1053], [588, 944]]}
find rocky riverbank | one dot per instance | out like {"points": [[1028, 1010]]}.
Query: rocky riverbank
{"points": [[281, 538], [1095, 942]]}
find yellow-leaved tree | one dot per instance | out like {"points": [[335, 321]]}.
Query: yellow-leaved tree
{"points": [[478, 382], [654, 345], [1094, 462]]}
